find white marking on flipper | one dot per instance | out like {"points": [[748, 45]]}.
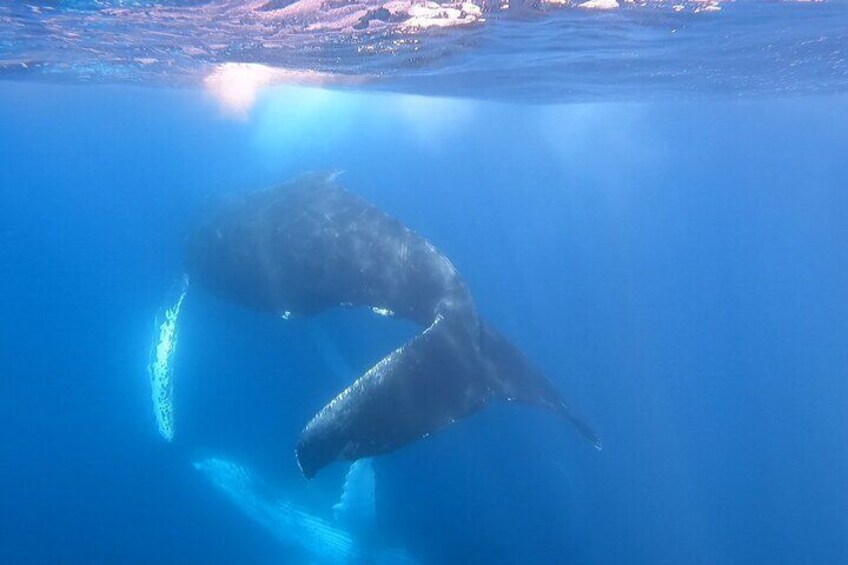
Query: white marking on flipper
{"points": [[160, 369]]}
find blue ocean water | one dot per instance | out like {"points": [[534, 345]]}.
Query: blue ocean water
{"points": [[678, 267]]}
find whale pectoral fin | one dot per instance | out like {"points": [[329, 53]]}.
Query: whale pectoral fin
{"points": [[417, 389], [514, 378], [356, 508]]}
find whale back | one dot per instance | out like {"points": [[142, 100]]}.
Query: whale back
{"points": [[311, 245]]}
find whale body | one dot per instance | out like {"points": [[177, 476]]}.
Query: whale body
{"points": [[311, 245]]}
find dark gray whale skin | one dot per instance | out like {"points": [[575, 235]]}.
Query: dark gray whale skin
{"points": [[311, 245]]}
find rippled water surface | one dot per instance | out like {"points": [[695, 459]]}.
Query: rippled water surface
{"points": [[529, 51]]}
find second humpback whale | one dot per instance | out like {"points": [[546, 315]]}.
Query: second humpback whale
{"points": [[311, 245]]}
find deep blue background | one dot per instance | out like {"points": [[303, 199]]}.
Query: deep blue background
{"points": [[680, 270]]}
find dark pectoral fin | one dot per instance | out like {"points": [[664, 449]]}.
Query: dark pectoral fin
{"points": [[417, 389]]}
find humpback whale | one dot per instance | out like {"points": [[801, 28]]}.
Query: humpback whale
{"points": [[310, 245]]}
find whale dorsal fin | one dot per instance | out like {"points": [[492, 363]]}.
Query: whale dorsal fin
{"points": [[356, 507]]}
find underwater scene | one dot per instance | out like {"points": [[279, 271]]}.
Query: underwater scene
{"points": [[422, 282]]}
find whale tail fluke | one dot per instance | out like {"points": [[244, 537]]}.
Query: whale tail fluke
{"points": [[454, 368], [582, 426], [515, 379]]}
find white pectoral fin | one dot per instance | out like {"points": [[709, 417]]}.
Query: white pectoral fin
{"points": [[160, 367], [356, 507], [293, 526]]}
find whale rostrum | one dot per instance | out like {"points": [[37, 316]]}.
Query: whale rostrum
{"points": [[311, 245]]}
